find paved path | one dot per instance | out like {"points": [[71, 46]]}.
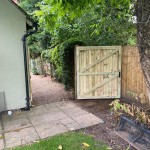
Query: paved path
{"points": [[43, 121]]}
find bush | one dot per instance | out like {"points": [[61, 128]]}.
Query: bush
{"points": [[55, 60], [45, 55], [66, 53], [62, 57]]}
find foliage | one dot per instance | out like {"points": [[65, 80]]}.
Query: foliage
{"points": [[95, 22], [66, 54], [38, 42], [45, 55], [106, 23], [41, 40], [34, 46], [34, 68], [55, 59], [35, 71], [67, 141], [62, 56], [118, 107], [28, 5], [138, 113]]}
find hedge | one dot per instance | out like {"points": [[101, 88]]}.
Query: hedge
{"points": [[55, 59], [62, 57]]}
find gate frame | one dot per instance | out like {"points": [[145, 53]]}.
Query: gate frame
{"points": [[76, 60]]}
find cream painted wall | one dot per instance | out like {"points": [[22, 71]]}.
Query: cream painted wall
{"points": [[12, 80]]}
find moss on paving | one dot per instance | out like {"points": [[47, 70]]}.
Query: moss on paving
{"points": [[69, 141]]}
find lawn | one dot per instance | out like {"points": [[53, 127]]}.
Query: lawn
{"points": [[67, 141]]}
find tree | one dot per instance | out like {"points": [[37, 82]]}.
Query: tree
{"points": [[28, 5], [143, 35], [95, 25], [40, 41]]}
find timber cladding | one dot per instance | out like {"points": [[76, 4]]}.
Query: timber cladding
{"points": [[133, 83]]}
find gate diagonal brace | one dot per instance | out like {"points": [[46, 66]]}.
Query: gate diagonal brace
{"points": [[99, 85]]}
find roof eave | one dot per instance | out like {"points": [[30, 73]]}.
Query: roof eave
{"points": [[22, 11]]}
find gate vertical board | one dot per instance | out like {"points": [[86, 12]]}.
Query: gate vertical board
{"points": [[97, 72]]}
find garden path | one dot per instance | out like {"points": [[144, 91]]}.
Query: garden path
{"points": [[45, 90]]}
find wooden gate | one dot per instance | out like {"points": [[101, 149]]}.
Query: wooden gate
{"points": [[98, 72]]}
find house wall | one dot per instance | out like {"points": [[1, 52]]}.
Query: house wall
{"points": [[12, 76]]}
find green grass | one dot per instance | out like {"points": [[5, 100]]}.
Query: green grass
{"points": [[69, 141]]}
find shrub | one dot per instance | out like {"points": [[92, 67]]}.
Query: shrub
{"points": [[66, 55], [45, 55], [55, 60], [62, 58]]}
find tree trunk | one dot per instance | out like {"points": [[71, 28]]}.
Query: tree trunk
{"points": [[143, 35]]}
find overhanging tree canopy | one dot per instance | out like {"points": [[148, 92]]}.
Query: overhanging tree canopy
{"points": [[95, 22], [58, 9]]}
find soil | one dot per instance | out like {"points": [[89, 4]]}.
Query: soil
{"points": [[104, 132], [45, 90]]}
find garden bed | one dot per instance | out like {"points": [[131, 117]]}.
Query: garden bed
{"points": [[134, 124]]}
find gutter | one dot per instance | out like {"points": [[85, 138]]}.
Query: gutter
{"points": [[26, 64]]}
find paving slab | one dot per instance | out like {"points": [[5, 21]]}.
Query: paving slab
{"points": [[74, 126], [36, 120], [72, 112], [67, 121], [51, 107], [1, 137], [16, 124], [38, 110], [20, 137], [47, 117], [50, 129], [0, 128], [87, 120], [54, 116], [1, 144], [44, 121], [66, 105], [15, 115]]}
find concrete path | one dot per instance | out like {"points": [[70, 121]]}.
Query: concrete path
{"points": [[43, 121]]}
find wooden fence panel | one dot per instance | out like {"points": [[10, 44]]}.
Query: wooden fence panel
{"points": [[133, 84]]}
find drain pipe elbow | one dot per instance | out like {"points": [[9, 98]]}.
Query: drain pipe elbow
{"points": [[26, 64]]}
